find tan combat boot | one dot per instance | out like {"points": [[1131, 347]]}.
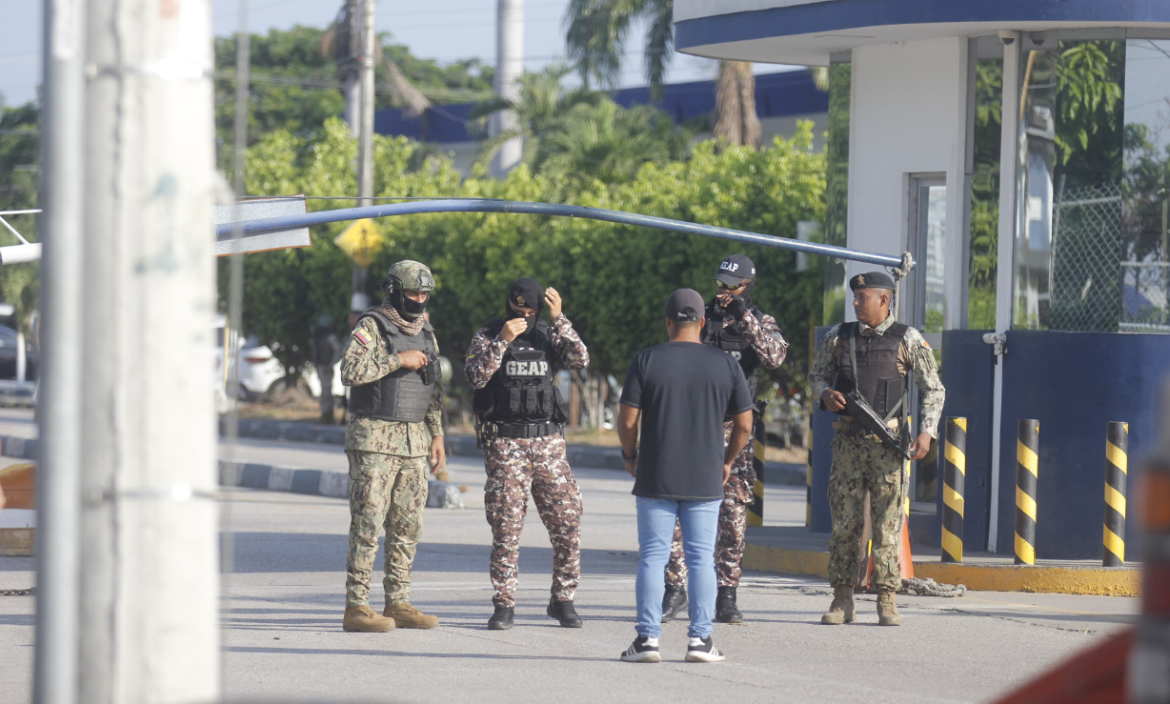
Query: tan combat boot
{"points": [[366, 620], [407, 616], [841, 610], [887, 609]]}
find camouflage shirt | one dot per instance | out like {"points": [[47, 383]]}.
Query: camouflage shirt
{"points": [[765, 337], [366, 360], [487, 352], [913, 355]]}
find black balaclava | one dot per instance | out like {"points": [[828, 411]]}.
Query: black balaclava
{"points": [[525, 293]]}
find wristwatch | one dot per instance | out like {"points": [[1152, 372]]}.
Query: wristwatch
{"points": [[630, 459]]}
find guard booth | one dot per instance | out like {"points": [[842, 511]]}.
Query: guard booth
{"points": [[1020, 151]]}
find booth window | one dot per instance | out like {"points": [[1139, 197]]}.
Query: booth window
{"points": [[1090, 245]]}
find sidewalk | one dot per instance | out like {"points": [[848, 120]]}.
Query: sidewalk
{"points": [[794, 550]]}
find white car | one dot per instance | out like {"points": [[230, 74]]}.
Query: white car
{"points": [[259, 370]]}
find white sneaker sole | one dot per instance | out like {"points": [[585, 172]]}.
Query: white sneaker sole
{"points": [[701, 656], [646, 656]]}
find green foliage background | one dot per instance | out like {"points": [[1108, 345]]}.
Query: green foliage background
{"points": [[614, 279]]}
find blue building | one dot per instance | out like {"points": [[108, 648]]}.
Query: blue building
{"points": [[1019, 150], [782, 99]]}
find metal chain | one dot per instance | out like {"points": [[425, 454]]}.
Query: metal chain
{"points": [[929, 587], [18, 592]]}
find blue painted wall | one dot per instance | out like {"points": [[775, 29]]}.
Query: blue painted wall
{"points": [[1075, 383], [968, 373], [822, 520]]}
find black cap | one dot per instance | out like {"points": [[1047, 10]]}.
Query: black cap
{"points": [[526, 293], [871, 279], [735, 270], [685, 304]]}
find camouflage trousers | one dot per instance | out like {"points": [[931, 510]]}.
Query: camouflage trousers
{"points": [[384, 491], [729, 545], [516, 469], [862, 464]]}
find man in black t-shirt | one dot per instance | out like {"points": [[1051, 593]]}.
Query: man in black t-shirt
{"points": [[680, 391]]}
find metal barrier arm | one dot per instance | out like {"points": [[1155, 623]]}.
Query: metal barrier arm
{"points": [[321, 217]]}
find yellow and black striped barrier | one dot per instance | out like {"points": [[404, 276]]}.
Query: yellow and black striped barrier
{"points": [[1027, 471], [954, 488], [808, 478], [1116, 469], [755, 514]]}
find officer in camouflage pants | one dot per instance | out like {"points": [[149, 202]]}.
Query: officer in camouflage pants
{"points": [[755, 340], [395, 425], [511, 364], [872, 357]]}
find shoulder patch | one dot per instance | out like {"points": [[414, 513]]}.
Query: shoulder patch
{"points": [[361, 336]]}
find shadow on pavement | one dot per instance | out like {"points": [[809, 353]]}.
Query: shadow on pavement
{"points": [[264, 552]]}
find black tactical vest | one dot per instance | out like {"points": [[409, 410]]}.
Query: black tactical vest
{"points": [[879, 381], [401, 396], [732, 340], [522, 389]]}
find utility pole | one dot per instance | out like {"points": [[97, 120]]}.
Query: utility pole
{"points": [[59, 469], [509, 68], [149, 627], [352, 38], [365, 171]]}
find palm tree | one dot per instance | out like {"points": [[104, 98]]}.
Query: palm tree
{"points": [[606, 143], [596, 40], [542, 105]]}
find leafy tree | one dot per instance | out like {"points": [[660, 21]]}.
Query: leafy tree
{"points": [[294, 83], [19, 183], [614, 278], [608, 144]]}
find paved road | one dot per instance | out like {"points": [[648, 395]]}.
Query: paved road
{"points": [[284, 597]]}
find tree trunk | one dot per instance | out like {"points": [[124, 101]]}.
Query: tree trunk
{"points": [[735, 104]]}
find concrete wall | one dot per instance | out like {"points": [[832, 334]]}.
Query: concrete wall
{"points": [[908, 116]]}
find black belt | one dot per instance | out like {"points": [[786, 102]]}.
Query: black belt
{"points": [[520, 430]]}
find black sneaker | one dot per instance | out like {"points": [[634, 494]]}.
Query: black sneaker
{"points": [[564, 612], [674, 600], [703, 651], [725, 609], [501, 620], [640, 651]]}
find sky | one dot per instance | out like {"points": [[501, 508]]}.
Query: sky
{"points": [[444, 30]]}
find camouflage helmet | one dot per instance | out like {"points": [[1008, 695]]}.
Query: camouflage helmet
{"points": [[404, 276], [408, 275]]}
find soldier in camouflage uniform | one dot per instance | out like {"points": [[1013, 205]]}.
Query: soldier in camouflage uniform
{"points": [[511, 364], [755, 340], [395, 410], [874, 357]]}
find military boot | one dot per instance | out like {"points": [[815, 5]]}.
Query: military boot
{"points": [[887, 609], [502, 619], [565, 612], [674, 600], [364, 619], [725, 609], [841, 610], [407, 616]]}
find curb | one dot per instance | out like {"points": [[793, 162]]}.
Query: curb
{"points": [[1099, 581], [776, 473]]}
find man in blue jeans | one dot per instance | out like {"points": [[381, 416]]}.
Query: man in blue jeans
{"points": [[680, 391]]}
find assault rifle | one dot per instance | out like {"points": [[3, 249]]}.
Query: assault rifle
{"points": [[856, 406]]}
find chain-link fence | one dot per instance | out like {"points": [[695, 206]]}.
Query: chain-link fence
{"points": [[1096, 283], [1086, 291], [1145, 288]]}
